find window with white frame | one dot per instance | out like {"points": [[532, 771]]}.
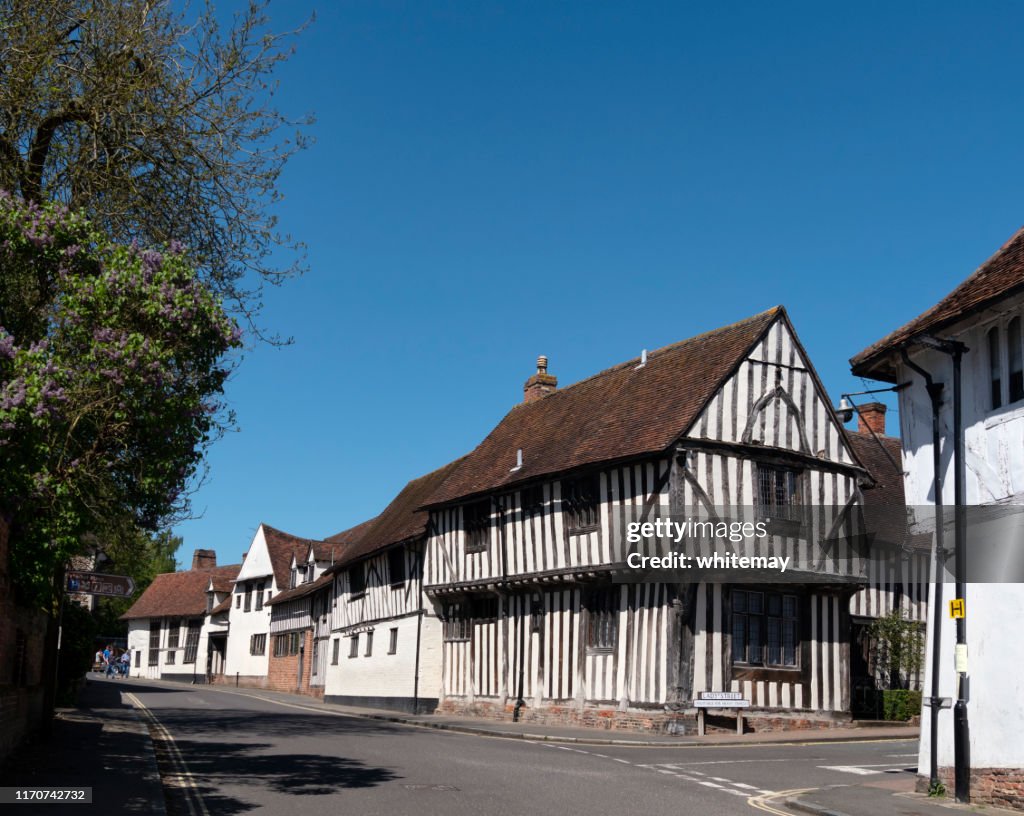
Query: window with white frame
{"points": [[1004, 345]]}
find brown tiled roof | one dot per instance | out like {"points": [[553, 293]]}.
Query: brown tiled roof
{"points": [[999, 276], [223, 583], [326, 550], [281, 546], [884, 504], [223, 606], [179, 594], [401, 520], [620, 413], [302, 590]]}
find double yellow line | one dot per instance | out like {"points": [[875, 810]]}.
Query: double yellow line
{"points": [[764, 801], [182, 776]]}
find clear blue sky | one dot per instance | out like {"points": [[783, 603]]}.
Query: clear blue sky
{"points": [[584, 180]]}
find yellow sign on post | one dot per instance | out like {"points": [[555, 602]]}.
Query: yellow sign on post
{"points": [[957, 608]]}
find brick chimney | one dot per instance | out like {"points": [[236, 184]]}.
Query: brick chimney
{"points": [[871, 417], [204, 559], [540, 384]]}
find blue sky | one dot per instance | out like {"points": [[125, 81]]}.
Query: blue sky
{"points": [[584, 180]]}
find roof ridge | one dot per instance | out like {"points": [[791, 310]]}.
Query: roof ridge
{"points": [[633, 361]]}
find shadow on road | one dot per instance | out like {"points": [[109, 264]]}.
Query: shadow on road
{"points": [[218, 766]]}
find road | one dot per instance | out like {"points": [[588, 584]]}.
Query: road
{"points": [[233, 752]]}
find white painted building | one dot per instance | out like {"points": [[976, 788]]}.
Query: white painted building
{"points": [[985, 314], [265, 571], [170, 625], [385, 644]]}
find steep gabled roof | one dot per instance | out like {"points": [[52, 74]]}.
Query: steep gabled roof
{"points": [[281, 547], [1000, 276], [179, 594], [347, 538], [885, 504], [325, 551], [623, 412]]}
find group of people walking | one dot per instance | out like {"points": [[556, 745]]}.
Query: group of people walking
{"points": [[112, 664]]}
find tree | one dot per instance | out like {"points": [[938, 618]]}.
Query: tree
{"points": [[140, 555], [109, 391], [898, 648], [156, 127]]}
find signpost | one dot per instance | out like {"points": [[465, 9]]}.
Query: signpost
{"points": [[97, 583], [719, 699]]}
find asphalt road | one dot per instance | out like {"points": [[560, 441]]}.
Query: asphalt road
{"points": [[234, 752]]}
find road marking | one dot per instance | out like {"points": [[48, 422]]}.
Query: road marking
{"points": [[184, 777], [862, 770], [765, 801]]}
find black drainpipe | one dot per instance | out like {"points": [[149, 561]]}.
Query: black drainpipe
{"points": [[934, 390]]}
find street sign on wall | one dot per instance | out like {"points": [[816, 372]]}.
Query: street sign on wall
{"points": [[97, 583]]}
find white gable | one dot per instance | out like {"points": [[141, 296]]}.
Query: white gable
{"points": [[257, 559]]}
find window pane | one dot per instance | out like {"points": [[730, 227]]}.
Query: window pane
{"points": [[789, 643], [755, 603], [995, 368], [739, 601], [754, 639], [789, 606], [739, 638], [774, 605], [1016, 360], [774, 641]]}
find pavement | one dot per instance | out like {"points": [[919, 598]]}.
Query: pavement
{"points": [[537, 732], [895, 795], [105, 743], [102, 743]]}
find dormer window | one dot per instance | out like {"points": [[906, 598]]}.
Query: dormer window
{"points": [[310, 571], [294, 580]]}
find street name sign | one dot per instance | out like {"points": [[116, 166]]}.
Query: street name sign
{"points": [[97, 583]]}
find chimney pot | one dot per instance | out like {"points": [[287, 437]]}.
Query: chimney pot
{"points": [[871, 417], [540, 384], [204, 559]]}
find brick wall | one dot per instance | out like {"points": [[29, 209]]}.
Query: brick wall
{"points": [[649, 720], [283, 672], [1000, 787], [22, 642]]}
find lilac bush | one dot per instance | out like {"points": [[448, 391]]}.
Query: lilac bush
{"points": [[112, 365]]}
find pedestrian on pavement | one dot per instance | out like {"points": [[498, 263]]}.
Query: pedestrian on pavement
{"points": [[97, 662], [108, 656], [126, 662]]}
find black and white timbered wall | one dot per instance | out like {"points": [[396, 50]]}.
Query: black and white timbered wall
{"points": [[520, 577]]}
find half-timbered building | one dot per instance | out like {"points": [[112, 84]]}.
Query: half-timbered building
{"points": [[897, 573], [526, 557], [300, 617], [385, 648]]}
